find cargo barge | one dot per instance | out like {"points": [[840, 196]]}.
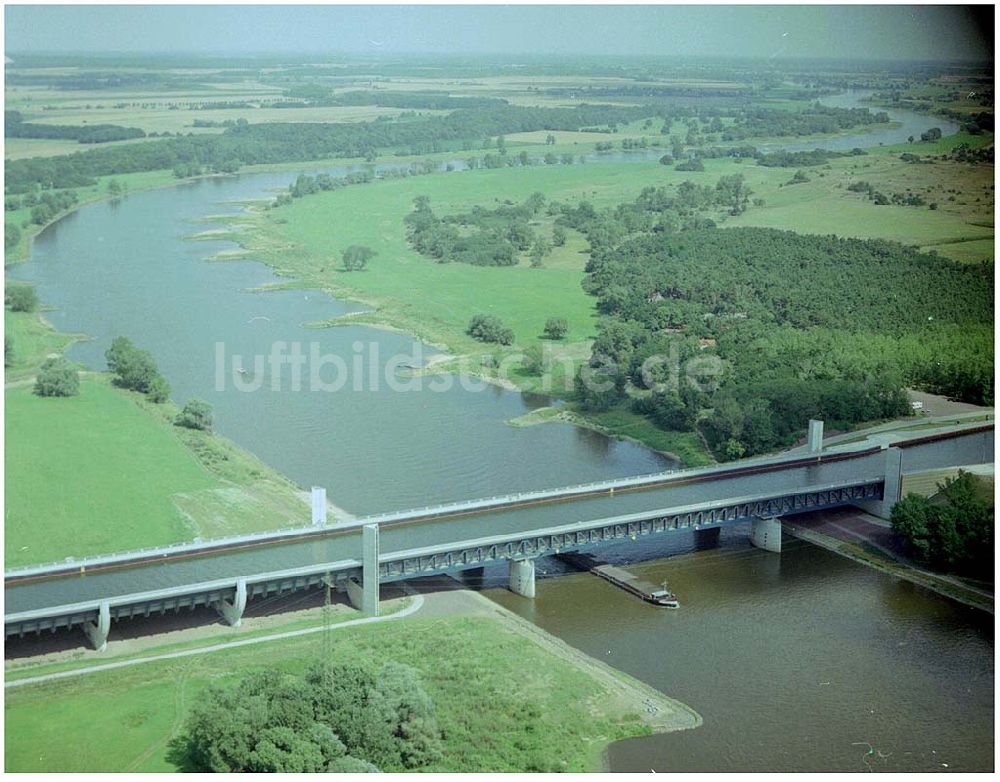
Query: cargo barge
{"points": [[622, 579]]}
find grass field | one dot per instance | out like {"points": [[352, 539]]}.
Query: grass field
{"points": [[436, 301], [33, 340], [90, 474], [98, 473], [504, 702], [961, 227]]}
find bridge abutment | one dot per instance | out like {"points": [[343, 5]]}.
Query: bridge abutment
{"points": [[522, 577], [232, 612], [766, 534], [97, 632]]}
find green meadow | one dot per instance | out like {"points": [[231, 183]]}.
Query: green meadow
{"points": [[108, 471], [558, 717], [435, 301]]}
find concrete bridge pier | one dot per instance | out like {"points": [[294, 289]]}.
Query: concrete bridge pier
{"points": [[233, 612], [364, 596], [766, 534], [891, 489], [522, 577], [97, 632]]}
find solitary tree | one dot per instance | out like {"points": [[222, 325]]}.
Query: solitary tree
{"points": [[356, 257], [556, 328], [57, 378]]}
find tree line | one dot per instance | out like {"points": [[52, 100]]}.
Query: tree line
{"points": [[16, 127]]}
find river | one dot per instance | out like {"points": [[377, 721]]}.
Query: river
{"points": [[797, 661]]}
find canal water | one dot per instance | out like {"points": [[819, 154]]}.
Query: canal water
{"points": [[798, 661]]}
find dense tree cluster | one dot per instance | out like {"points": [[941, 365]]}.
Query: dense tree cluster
{"points": [[136, 370], [758, 121], [481, 237], [816, 157], [21, 298], [879, 198], [335, 718], [489, 328], [952, 531]]}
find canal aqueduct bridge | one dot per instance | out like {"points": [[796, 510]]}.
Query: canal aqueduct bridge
{"points": [[357, 556]]}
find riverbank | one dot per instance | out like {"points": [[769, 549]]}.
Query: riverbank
{"points": [[509, 697], [863, 538]]}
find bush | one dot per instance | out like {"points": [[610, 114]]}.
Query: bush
{"points": [[556, 328], [11, 236], [690, 165], [195, 415], [21, 298], [159, 390], [489, 328], [57, 378], [356, 257]]}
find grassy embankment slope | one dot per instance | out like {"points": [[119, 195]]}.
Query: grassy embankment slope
{"points": [[108, 471], [559, 716]]}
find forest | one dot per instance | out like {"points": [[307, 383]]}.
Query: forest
{"points": [[807, 326]]}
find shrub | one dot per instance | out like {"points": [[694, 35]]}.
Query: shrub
{"points": [[159, 390], [21, 298], [489, 328], [556, 328], [57, 378], [195, 415]]}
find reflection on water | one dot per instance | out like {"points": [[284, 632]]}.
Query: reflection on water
{"points": [[796, 662]]}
